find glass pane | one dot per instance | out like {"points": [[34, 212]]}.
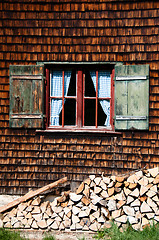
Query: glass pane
{"points": [[56, 84], [89, 112], [69, 112], [72, 85], [67, 77], [104, 113], [89, 87], [104, 84], [102, 116], [56, 107]]}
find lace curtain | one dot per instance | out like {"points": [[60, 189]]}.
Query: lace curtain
{"points": [[56, 91], [104, 85]]}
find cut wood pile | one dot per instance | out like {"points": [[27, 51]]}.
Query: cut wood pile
{"points": [[97, 201]]}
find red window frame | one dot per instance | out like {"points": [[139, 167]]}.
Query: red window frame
{"points": [[80, 103]]}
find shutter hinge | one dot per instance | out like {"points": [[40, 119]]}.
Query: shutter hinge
{"points": [[45, 80], [45, 121], [44, 117], [133, 118], [113, 121]]}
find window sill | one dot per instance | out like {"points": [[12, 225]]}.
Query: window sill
{"points": [[80, 130]]}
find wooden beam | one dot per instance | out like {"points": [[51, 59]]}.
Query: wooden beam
{"points": [[79, 117], [31, 194]]}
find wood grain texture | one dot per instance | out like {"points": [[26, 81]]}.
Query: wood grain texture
{"points": [[26, 96], [31, 194], [104, 30]]}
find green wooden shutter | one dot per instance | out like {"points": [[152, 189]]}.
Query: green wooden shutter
{"points": [[26, 96], [132, 97]]}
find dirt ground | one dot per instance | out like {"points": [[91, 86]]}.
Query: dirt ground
{"points": [[37, 235]]}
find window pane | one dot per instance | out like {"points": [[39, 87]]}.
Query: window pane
{"points": [[89, 112], [69, 112], [104, 84], [67, 78], [56, 107], [89, 88], [56, 84], [72, 85], [104, 113]]}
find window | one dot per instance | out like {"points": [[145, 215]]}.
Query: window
{"points": [[80, 97]]}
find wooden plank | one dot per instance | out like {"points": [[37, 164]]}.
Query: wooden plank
{"points": [[47, 99], [63, 85], [26, 77], [138, 99], [79, 99], [96, 113], [121, 103], [131, 117], [24, 70], [112, 99], [32, 194], [129, 78], [23, 116]]}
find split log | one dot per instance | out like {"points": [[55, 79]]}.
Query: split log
{"points": [[80, 188], [32, 194], [63, 197]]}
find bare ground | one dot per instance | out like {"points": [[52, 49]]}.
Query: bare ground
{"points": [[60, 235]]}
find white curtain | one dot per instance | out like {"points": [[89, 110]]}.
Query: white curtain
{"points": [[104, 85], [56, 91]]}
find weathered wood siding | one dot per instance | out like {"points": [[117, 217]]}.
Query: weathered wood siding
{"points": [[26, 96], [45, 30]]}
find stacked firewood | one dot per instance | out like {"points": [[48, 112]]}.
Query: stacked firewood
{"points": [[98, 200]]}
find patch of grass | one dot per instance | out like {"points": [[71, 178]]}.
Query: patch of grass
{"points": [[113, 233], [49, 237], [10, 235]]}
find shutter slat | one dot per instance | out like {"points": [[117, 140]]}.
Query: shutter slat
{"points": [[27, 77], [132, 97], [23, 116], [129, 78], [26, 96], [131, 118]]}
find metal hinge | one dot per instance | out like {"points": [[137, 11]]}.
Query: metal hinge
{"points": [[123, 118], [129, 78], [45, 81]]}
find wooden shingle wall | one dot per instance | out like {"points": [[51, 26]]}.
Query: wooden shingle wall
{"points": [[38, 30]]}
